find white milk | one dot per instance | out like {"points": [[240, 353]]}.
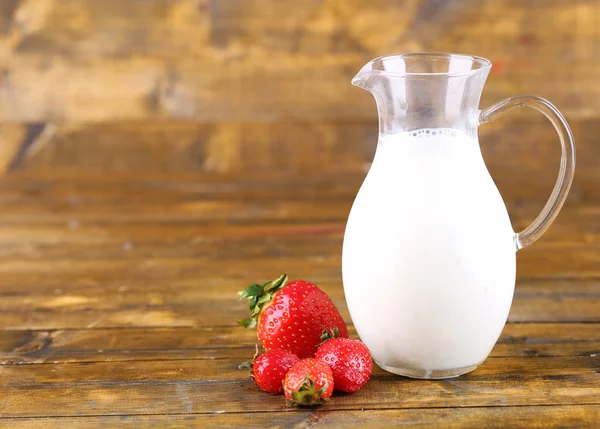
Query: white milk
{"points": [[429, 254]]}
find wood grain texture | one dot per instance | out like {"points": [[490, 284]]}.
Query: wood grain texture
{"points": [[521, 154], [263, 60], [162, 296], [538, 417], [198, 85], [118, 306], [119, 252], [233, 342], [205, 386]]}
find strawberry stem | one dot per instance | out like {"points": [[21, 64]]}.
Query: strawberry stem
{"points": [[328, 334], [307, 395], [258, 296]]}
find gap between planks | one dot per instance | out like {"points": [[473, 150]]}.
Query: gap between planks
{"points": [[292, 410]]}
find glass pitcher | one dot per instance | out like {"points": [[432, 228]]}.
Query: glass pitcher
{"points": [[429, 252]]}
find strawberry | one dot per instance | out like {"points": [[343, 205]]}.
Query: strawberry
{"points": [[268, 370], [350, 362], [291, 316], [308, 383]]}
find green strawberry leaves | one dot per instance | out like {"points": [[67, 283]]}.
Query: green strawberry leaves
{"points": [[307, 394], [251, 291], [247, 323], [329, 334], [276, 284], [258, 296]]}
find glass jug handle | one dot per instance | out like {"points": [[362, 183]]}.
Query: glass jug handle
{"points": [[567, 160]]}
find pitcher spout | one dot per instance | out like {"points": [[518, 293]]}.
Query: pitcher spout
{"points": [[381, 68], [425, 90], [361, 78]]}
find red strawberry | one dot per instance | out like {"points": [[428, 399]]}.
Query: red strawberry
{"points": [[268, 370], [309, 382], [291, 316], [350, 362]]}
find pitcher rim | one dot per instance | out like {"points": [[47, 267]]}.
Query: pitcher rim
{"points": [[483, 62]]}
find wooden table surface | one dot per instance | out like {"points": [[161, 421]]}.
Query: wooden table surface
{"points": [[118, 307]]}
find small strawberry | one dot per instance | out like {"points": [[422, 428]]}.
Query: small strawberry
{"points": [[269, 369], [291, 316], [308, 383], [350, 362]]}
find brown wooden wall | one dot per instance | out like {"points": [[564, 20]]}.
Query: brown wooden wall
{"points": [[240, 85]]}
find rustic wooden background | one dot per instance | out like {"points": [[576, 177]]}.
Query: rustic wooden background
{"points": [[232, 86]]}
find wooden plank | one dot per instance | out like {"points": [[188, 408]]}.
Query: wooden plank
{"points": [[227, 342], [265, 60], [279, 216], [208, 386], [525, 417], [522, 154], [163, 293], [214, 221], [72, 189], [126, 188], [576, 228], [253, 242], [179, 146], [312, 228]]}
